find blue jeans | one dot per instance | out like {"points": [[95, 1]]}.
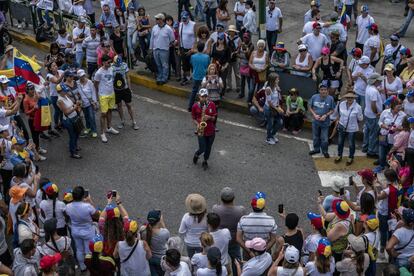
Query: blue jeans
{"points": [[211, 17], [79, 57], [372, 268], [235, 253], [204, 146], [144, 44], [199, 10], [370, 141], [271, 37], [161, 60], [320, 132], [361, 101], [90, 118], [57, 113], [259, 116], [383, 229], [404, 27], [382, 153], [73, 135], [273, 122], [341, 141], [155, 266], [44, 18], [194, 91], [239, 25], [246, 80]]}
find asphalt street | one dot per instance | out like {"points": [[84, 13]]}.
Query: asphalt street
{"points": [[152, 167]]}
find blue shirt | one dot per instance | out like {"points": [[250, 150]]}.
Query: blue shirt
{"points": [[108, 19], [200, 62], [322, 106]]}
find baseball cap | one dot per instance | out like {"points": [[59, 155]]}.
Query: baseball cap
{"points": [[280, 46], [258, 201], [257, 244], [4, 79], [324, 248], [227, 194], [394, 37], [373, 27], [410, 93], [160, 16], [357, 243], [220, 25], [302, 47], [337, 183], [69, 73], [316, 25], [356, 52], [408, 215], [316, 220], [323, 84], [364, 60], [389, 67], [405, 51], [154, 216], [315, 3], [184, 15], [48, 261], [367, 174], [29, 85], [364, 8], [81, 73], [203, 92], [291, 254]]}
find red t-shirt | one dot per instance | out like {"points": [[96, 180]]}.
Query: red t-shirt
{"points": [[196, 113]]}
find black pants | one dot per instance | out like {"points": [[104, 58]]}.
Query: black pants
{"points": [[22, 126], [359, 45], [294, 122], [92, 18], [35, 134], [6, 175], [92, 67], [1, 42], [6, 258], [211, 18], [184, 5], [205, 143]]}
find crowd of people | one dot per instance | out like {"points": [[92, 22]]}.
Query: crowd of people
{"points": [[87, 70]]}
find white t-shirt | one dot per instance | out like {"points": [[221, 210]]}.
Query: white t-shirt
{"points": [[362, 24], [408, 108], [372, 42], [360, 85], [63, 244], [272, 19], [281, 271], [372, 95], [383, 204], [106, 79], [405, 238], [222, 238], [80, 214], [183, 270], [395, 87], [5, 120], [239, 7], [210, 272], [257, 265], [52, 86], [199, 261], [47, 207], [192, 230], [315, 44], [76, 32], [313, 271]]}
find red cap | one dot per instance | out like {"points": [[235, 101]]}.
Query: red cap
{"points": [[315, 25], [367, 174], [357, 52], [373, 27], [49, 261]]}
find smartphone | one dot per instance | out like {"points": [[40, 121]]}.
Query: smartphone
{"points": [[280, 208], [113, 193], [320, 192], [351, 180], [36, 169], [341, 191], [86, 193]]}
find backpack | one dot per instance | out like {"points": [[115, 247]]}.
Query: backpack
{"points": [[41, 35]]}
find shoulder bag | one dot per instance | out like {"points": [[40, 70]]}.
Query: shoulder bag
{"points": [[130, 253]]}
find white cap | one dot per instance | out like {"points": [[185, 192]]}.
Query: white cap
{"points": [[302, 47], [203, 92], [291, 254], [364, 60], [81, 73], [4, 79], [4, 127], [337, 183], [160, 16]]}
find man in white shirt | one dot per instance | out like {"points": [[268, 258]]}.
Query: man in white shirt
{"points": [[363, 21], [105, 93], [314, 6], [161, 38], [239, 11], [372, 113], [372, 44], [392, 51], [79, 34], [315, 41], [274, 22], [360, 77], [308, 27]]}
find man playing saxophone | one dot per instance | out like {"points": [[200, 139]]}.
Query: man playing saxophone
{"points": [[204, 115]]}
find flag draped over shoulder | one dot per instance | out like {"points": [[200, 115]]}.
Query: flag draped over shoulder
{"points": [[343, 15], [124, 4], [24, 69]]}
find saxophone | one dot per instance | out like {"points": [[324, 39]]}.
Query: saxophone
{"points": [[202, 125]]}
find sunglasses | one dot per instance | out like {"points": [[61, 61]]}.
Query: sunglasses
{"points": [[107, 46], [303, 50]]}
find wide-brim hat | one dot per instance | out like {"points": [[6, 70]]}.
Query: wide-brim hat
{"points": [[349, 95], [232, 28], [195, 204], [341, 208]]}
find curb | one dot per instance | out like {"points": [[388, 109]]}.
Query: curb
{"points": [[229, 104]]}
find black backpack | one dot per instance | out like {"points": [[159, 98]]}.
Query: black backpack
{"points": [[41, 35]]}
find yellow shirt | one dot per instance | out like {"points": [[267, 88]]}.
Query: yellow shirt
{"points": [[407, 75]]}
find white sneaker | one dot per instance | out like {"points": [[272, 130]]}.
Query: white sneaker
{"points": [[112, 130], [42, 151], [270, 141], [41, 158], [134, 126], [121, 125], [19, 26], [276, 140], [103, 138]]}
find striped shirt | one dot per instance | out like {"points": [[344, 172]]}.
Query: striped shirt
{"points": [[257, 225], [91, 44]]}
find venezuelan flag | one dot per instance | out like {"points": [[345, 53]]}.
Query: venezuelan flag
{"points": [[124, 4], [343, 15], [24, 69]]}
